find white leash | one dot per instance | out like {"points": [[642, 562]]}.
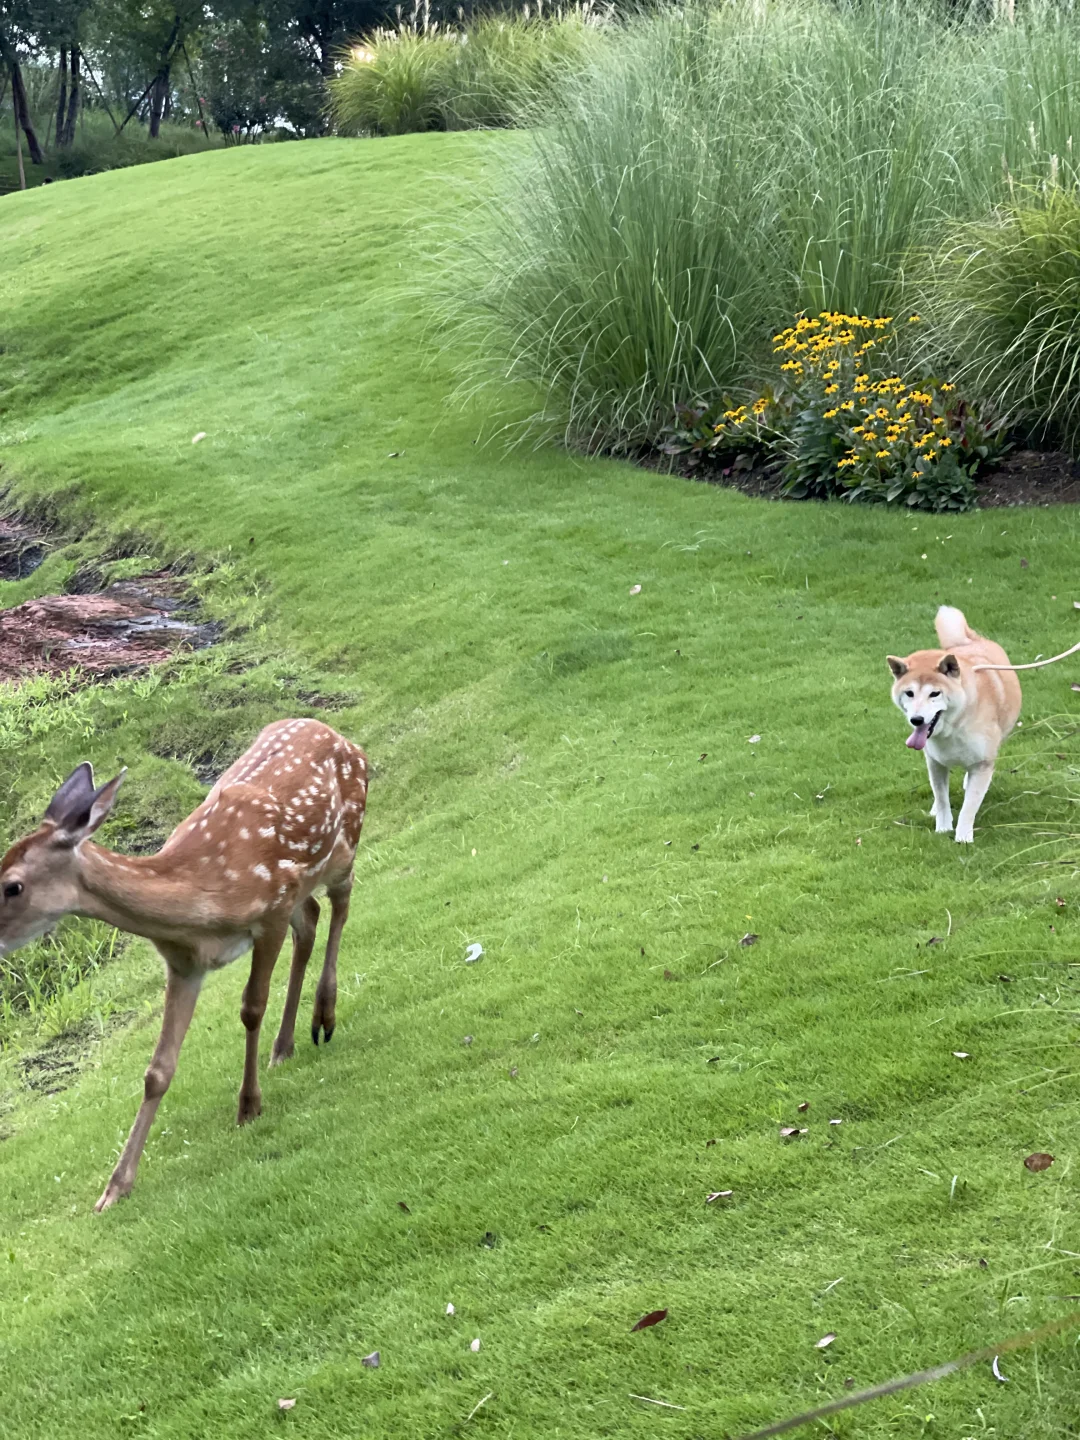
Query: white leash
{"points": [[1035, 664]]}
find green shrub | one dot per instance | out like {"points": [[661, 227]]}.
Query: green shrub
{"points": [[1005, 298], [714, 170]]}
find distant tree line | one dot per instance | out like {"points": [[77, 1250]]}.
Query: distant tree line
{"points": [[243, 68]]}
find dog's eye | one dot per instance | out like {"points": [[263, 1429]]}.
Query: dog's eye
{"points": [[909, 694], [934, 694], [10, 891]]}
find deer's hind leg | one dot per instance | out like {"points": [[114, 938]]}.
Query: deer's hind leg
{"points": [[304, 921], [323, 1016]]}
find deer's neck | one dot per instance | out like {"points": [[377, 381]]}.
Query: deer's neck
{"points": [[137, 893]]}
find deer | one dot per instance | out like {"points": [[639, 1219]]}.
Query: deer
{"points": [[236, 875]]}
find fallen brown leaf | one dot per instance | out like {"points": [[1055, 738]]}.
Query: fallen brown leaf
{"points": [[935, 940], [791, 1132], [371, 1361], [466, 1039], [804, 1107], [1023, 564], [1039, 1161], [669, 976], [708, 1143], [652, 1318], [1059, 902], [402, 1206], [749, 939], [513, 1072]]}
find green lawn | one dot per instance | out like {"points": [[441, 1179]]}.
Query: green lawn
{"points": [[563, 771]]}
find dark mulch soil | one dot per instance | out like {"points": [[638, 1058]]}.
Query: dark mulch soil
{"points": [[1024, 477]]}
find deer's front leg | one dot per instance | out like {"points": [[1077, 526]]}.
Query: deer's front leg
{"points": [[181, 993], [252, 1009]]}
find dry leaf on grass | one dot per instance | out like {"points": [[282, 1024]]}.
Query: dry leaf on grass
{"points": [[709, 1142], [824, 1342], [749, 938], [285, 1404], [1039, 1161], [402, 1206], [836, 1122], [652, 1318], [718, 1195], [371, 1361], [804, 1107], [791, 1132]]}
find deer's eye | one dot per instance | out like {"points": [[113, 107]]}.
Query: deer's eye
{"points": [[12, 889]]}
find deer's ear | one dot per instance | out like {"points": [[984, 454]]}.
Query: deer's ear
{"points": [[896, 665], [77, 809]]}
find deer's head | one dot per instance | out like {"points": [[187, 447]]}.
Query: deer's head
{"points": [[39, 875]]}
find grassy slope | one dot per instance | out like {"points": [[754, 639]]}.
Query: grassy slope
{"points": [[537, 733]]}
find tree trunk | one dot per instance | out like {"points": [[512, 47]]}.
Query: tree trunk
{"points": [[18, 152], [74, 97], [159, 90], [22, 113], [61, 100]]}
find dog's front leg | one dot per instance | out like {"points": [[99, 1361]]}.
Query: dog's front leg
{"points": [[939, 783], [978, 782]]}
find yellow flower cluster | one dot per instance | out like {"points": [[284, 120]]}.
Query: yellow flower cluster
{"points": [[890, 424], [815, 345]]}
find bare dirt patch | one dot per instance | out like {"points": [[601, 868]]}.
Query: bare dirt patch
{"points": [[126, 627]]}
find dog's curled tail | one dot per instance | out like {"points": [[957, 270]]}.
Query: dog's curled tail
{"points": [[952, 628]]}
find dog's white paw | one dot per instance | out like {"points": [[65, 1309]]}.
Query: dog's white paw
{"points": [[942, 827], [965, 837]]}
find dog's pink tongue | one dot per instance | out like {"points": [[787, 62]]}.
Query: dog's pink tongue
{"points": [[917, 739]]}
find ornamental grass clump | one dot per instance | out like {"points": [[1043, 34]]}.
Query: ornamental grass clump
{"points": [[841, 422], [1005, 299]]}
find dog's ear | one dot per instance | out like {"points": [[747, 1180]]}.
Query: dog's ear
{"points": [[896, 665], [950, 666]]}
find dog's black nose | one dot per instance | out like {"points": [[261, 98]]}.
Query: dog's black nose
{"points": [[916, 720]]}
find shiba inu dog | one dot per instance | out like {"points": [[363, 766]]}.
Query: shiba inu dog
{"points": [[959, 713]]}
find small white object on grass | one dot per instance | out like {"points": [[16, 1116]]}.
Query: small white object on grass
{"points": [[635, 589], [475, 1345], [753, 739], [450, 1308], [200, 436], [473, 953]]}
